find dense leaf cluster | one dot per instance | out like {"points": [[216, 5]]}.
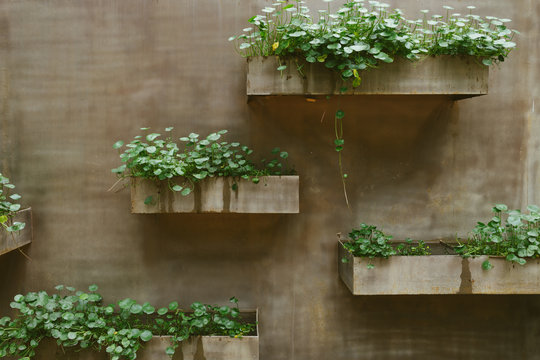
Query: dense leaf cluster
{"points": [[79, 320], [368, 241], [359, 36], [511, 234], [152, 157], [9, 206]]}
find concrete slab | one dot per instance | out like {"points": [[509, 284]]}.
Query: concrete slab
{"points": [[273, 194], [456, 76], [400, 275], [195, 348], [505, 277]]}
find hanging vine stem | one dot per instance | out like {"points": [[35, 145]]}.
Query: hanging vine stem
{"points": [[339, 142]]}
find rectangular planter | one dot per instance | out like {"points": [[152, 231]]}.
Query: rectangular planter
{"points": [[505, 277], [15, 240], [203, 347], [206, 347], [456, 76], [400, 275], [273, 194], [195, 348]]}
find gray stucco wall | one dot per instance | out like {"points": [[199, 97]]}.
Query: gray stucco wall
{"points": [[75, 76]]}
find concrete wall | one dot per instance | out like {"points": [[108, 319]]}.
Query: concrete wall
{"points": [[78, 75]]}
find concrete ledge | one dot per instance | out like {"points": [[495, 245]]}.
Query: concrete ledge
{"points": [[15, 240], [273, 194], [203, 347], [456, 76], [505, 277], [400, 275], [437, 274]]}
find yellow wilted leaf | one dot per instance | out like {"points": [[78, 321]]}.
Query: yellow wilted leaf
{"points": [[275, 45]]}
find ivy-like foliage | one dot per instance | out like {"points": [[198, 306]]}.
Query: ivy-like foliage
{"points": [[9, 206], [153, 157], [511, 234], [368, 241], [362, 34], [79, 320]]}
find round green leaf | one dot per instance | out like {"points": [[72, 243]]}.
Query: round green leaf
{"points": [[162, 311], [146, 335], [118, 144]]}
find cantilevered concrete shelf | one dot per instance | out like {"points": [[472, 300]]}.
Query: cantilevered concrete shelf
{"points": [[272, 195], [15, 240], [456, 76], [505, 277], [400, 275], [437, 275]]}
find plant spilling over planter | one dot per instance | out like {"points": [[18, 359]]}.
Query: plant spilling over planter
{"points": [[371, 243], [206, 175], [359, 37], [9, 206], [490, 262], [510, 234], [15, 224], [79, 320], [154, 158]]}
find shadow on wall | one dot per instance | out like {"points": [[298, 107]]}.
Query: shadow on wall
{"points": [[232, 253], [417, 327], [395, 146]]}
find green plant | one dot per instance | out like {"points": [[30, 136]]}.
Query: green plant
{"points": [[409, 249], [511, 234], [155, 158], [8, 206], [359, 37], [79, 320], [368, 241]]}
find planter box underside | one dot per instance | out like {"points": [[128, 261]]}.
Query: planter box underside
{"points": [[456, 76], [273, 194], [436, 275], [15, 240]]}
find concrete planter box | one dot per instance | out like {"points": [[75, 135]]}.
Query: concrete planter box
{"points": [[273, 194], [401, 275], [203, 347], [15, 240], [505, 277], [455, 76], [195, 348], [437, 274]]}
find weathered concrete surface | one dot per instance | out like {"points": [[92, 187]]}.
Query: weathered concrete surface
{"points": [[436, 274], [15, 240], [76, 76], [272, 195], [204, 347], [505, 277], [459, 77], [400, 275]]}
